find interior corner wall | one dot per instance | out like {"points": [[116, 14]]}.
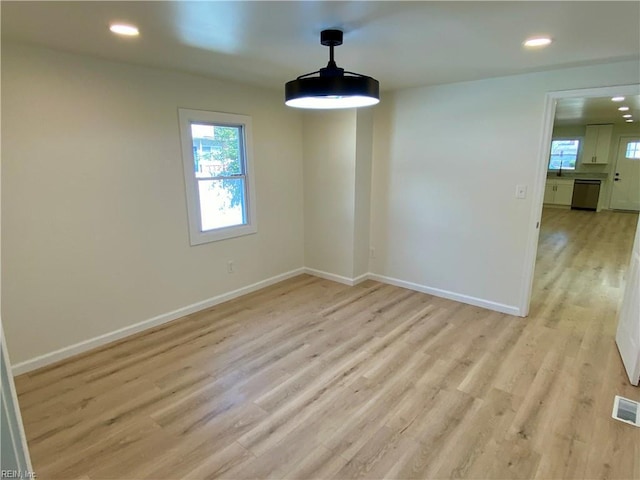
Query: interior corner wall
{"points": [[94, 216], [362, 207], [329, 145], [446, 163]]}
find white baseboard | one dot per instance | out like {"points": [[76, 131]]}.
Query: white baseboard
{"points": [[71, 350], [330, 276], [361, 278], [478, 302]]}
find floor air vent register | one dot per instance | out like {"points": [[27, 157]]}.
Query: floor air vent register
{"points": [[626, 411]]}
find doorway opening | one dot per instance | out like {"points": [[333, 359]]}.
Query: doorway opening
{"points": [[560, 109], [580, 258]]}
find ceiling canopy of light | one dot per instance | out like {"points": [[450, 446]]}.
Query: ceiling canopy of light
{"points": [[333, 87]]}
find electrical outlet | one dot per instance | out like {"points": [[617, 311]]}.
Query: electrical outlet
{"points": [[230, 266]]}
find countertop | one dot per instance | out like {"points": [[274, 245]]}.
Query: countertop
{"points": [[574, 175]]}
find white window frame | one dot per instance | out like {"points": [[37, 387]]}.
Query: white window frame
{"points": [[635, 151], [196, 235], [580, 140]]}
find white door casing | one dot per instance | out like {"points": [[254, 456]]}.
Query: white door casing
{"points": [[625, 194], [628, 332], [14, 458]]}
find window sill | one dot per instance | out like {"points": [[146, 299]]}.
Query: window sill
{"points": [[200, 238]]}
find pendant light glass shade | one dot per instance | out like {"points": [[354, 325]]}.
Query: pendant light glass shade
{"points": [[332, 87]]}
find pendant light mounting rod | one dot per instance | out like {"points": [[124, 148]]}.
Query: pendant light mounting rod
{"points": [[331, 39]]}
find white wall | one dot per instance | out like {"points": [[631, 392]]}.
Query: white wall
{"points": [[94, 218], [362, 208], [329, 190], [337, 192], [447, 160]]}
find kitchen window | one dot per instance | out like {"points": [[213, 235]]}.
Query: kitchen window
{"points": [[564, 154], [218, 175]]}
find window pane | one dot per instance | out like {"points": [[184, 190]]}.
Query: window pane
{"points": [[217, 175], [221, 203], [564, 153], [216, 150], [633, 150]]}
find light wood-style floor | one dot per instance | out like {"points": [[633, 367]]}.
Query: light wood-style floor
{"points": [[309, 379]]}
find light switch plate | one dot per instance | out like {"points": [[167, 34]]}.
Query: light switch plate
{"points": [[521, 191]]}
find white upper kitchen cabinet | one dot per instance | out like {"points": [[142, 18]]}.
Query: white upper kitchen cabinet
{"points": [[597, 141]]}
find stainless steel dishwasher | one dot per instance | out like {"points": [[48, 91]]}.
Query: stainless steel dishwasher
{"points": [[585, 194]]}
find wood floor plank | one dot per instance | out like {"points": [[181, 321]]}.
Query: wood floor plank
{"points": [[215, 465], [310, 379], [320, 463]]}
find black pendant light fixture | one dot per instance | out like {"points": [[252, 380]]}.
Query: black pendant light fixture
{"points": [[332, 87]]}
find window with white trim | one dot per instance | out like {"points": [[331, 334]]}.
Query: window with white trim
{"points": [[218, 175], [564, 153]]}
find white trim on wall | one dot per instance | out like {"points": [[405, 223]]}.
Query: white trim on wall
{"points": [[336, 278], [71, 350], [478, 302], [11, 408], [197, 235], [458, 297]]}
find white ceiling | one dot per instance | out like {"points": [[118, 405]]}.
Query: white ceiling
{"points": [[402, 44], [584, 111]]}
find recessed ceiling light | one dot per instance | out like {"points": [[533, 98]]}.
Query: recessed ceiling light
{"points": [[617, 99], [124, 29], [629, 120], [623, 109], [537, 42], [628, 115]]}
